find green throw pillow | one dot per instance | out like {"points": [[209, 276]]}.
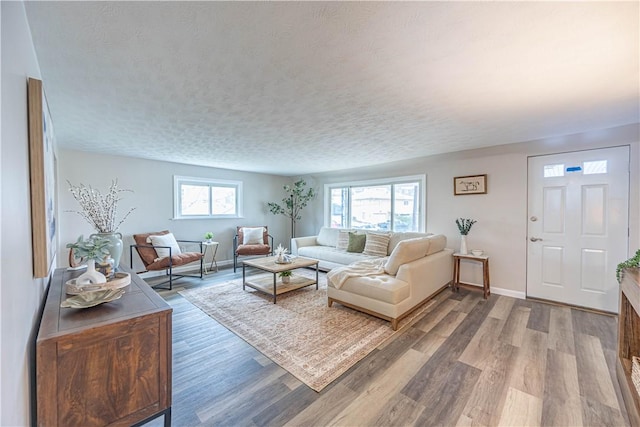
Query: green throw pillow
{"points": [[356, 242]]}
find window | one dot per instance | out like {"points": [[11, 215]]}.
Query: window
{"points": [[206, 198], [553, 171], [595, 167], [396, 204]]}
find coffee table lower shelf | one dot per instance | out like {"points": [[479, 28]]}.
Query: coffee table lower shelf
{"points": [[274, 287]]}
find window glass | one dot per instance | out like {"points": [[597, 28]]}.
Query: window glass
{"points": [[595, 167], [206, 198], [552, 171], [371, 207], [395, 205], [339, 210], [194, 200]]}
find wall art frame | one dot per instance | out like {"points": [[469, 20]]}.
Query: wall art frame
{"points": [[471, 184], [42, 173]]}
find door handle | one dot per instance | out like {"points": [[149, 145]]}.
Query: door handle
{"points": [[535, 239]]}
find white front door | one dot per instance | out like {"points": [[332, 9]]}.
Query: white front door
{"points": [[578, 226]]}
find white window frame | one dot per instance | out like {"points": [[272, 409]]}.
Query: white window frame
{"points": [[178, 181], [422, 206]]}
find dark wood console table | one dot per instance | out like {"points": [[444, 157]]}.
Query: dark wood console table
{"points": [[105, 365], [629, 340]]}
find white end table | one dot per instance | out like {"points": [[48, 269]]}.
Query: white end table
{"points": [[214, 248], [483, 259]]}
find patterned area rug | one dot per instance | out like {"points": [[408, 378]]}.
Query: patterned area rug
{"points": [[300, 333]]}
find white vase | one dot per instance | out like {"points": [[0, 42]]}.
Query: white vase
{"points": [[463, 245], [285, 279], [91, 276]]}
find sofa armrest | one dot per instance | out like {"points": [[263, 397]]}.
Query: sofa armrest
{"points": [[299, 242], [436, 267]]}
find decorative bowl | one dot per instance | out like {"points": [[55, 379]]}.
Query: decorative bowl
{"points": [[90, 299], [477, 252]]}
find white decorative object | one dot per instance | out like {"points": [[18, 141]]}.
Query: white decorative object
{"points": [[91, 276], [476, 252], [463, 245], [165, 240], [90, 299], [252, 236], [120, 280], [281, 255]]}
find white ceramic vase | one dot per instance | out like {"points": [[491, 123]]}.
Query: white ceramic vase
{"points": [[91, 276], [463, 245]]}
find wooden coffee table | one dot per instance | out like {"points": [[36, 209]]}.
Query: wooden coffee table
{"points": [[272, 287]]}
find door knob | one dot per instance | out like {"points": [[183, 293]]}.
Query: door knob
{"points": [[535, 239]]}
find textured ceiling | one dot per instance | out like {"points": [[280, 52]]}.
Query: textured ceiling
{"points": [[302, 87]]}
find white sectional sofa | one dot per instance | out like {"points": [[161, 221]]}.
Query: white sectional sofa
{"points": [[324, 247], [416, 268]]}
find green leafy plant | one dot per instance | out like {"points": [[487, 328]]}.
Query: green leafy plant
{"points": [[292, 205], [464, 225], [633, 262], [95, 248], [285, 273], [208, 235]]}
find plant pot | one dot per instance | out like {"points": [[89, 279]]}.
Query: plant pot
{"points": [[285, 280], [115, 246], [463, 245]]}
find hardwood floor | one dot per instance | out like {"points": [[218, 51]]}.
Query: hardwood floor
{"points": [[467, 362]]}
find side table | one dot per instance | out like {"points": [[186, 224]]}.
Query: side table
{"points": [[214, 248], [484, 259]]}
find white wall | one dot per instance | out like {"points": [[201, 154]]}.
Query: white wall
{"points": [[502, 213], [152, 185], [21, 295]]}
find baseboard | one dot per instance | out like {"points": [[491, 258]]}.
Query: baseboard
{"points": [[501, 291]]}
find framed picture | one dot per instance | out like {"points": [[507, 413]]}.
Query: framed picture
{"points": [[43, 179], [473, 184]]}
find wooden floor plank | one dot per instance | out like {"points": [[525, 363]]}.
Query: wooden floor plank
{"points": [[478, 352], [561, 405], [594, 377], [513, 330], [503, 307], [528, 371], [521, 409], [561, 330]]}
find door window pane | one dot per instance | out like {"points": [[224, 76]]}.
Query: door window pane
{"points": [[597, 166], [552, 171]]}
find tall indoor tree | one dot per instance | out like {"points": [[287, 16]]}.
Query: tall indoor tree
{"points": [[297, 199]]}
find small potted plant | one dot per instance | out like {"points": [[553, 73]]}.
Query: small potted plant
{"points": [[464, 226], [208, 236], [285, 276], [92, 250]]}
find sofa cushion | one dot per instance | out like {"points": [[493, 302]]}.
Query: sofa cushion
{"points": [[333, 255], [167, 240], [381, 287], [407, 251], [343, 240], [376, 244], [400, 236], [328, 236], [356, 242], [252, 235], [437, 243]]}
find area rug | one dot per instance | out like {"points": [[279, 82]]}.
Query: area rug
{"points": [[300, 333]]}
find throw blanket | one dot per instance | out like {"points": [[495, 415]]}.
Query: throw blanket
{"points": [[369, 267]]}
